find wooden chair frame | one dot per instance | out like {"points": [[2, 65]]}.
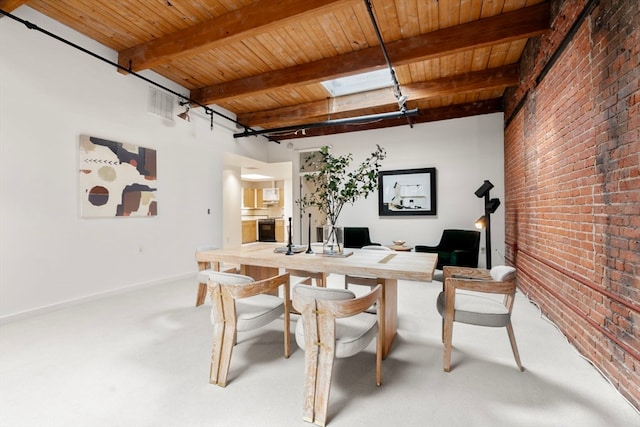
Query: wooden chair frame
{"points": [[319, 321], [478, 280], [225, 320], [319, 277]]}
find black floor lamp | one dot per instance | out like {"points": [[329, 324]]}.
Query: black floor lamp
{"points": [[490, 206]]}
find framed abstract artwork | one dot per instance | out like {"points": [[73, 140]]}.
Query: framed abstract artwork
{"points": [[407, 192], [116, 179]]}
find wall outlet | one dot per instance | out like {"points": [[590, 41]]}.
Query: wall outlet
{"points": [[483, 250]]}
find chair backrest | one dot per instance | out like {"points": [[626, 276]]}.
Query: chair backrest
{"points": [[319, 309], [229, 278], [222, 301], [323, 293], [330, 303], [499, 280], [460, 239], [356, 237], [376, 248], [225, 288], [503, 273]]}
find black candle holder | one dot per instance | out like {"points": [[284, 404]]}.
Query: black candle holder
{"points": [[309, 251], [289, 246]]}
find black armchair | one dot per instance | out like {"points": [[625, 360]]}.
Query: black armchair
{"points": [[357, 237], [456, 247]]}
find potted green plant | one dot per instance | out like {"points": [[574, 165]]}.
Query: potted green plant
{"points": [[335, 185]]}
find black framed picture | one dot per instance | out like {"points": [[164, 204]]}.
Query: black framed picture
{"points": [[407, 192]]}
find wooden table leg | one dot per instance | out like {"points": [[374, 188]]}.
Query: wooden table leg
{"points": [[259, 273], [390, 307]]}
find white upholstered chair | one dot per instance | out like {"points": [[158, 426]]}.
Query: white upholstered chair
{"points": [[333, 324], [320, 278], [240, 303], [457, 304], [309, 277], [205, 268]]}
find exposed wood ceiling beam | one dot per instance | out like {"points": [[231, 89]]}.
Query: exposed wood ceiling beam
{"points": [[493, 78], [510, 26], [242, 23], [428, 115], [11, 5]]}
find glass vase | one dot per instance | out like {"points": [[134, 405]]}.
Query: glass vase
{"points": [[332, 240]]}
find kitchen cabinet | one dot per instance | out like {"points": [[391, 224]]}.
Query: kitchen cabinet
{"points": [[280, 230], [249, 198], [262, 198], [271, 196], [249, 231]]}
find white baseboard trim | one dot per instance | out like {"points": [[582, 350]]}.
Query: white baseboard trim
{"points": [[75, 301]]}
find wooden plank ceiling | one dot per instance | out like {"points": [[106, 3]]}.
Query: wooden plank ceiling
{"points": [[264, 60]]}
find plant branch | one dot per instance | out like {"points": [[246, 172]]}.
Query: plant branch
{"points": [[335, 185]]}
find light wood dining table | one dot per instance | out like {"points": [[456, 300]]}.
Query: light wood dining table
{"points": [[260, 261]]}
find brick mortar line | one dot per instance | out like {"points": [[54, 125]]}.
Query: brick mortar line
{"points": [[628, 350], [628, 304]]}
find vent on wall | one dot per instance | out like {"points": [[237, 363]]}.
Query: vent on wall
{"points": [[160, 103]]}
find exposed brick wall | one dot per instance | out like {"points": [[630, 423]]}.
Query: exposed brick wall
{"points": [[572, 174]]}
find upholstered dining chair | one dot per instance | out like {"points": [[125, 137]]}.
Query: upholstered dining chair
{"points": [[309, 277], [205, 268], [240, 303], [357, 237], [475, 305], [456, 247], [370, 281], [332, 325]]}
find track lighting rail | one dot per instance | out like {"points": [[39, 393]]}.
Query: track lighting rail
{"points": [[345, 121]]}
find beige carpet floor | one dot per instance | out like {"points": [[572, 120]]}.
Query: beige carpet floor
{"points": [[141, 358]]}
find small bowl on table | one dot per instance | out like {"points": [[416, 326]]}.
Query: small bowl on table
{"points": [[398, 242]]}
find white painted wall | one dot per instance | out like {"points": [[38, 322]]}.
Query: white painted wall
{"points": [[50, 94], [464, 152]]}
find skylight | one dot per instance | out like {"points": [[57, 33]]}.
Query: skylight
{"points": [[359, 83]]}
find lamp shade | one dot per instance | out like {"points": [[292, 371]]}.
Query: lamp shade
{"points": [[484, 188], [481, 222], [492, 205]]}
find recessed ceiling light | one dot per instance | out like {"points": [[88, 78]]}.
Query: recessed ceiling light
{"points": [[255, 177], [359, 83]]}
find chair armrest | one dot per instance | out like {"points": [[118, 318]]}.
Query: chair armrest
{"points": [[352, 306], [488, 286], [338, 308], [259, 287], [465, 272]]}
